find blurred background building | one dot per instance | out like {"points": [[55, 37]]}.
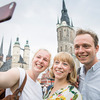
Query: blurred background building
{"points": [[15, 59]]}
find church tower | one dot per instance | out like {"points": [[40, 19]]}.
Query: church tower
{"points": [[26, 53], [65, 33], [16, 53], [17, 59]]}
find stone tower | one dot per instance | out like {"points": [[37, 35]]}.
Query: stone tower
{"points": [[17, 59], [26, 53], [66, 34]]}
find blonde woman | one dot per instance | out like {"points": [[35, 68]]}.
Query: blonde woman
{"points": [[13, 78], [64, 73]]}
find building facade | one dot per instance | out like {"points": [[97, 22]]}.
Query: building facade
{"points": [[66, 34], [5, 65], [16, 59]]}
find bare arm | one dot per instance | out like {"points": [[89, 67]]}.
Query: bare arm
{"points": [[9, 78]]}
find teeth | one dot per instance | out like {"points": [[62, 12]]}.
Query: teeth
{"points": [[39, 66], [59, 71], [82, 56]]}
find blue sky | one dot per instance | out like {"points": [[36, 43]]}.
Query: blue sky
{"points": [[35, 20]]}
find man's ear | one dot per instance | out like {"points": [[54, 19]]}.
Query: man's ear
{"points": [[97, 48]]}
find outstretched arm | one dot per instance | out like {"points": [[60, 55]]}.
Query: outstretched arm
{"points": [[9, 78]]}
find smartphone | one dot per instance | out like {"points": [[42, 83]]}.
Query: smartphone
{"points": [[6, 11]]}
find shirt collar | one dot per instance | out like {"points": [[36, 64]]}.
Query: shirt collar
{"points": [[96, 66]]}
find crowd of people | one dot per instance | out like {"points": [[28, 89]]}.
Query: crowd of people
{"points": [[67, 84]]}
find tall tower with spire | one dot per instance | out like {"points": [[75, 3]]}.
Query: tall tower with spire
{"points": [[65, 33]]}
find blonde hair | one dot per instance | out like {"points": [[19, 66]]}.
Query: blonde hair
{"points": [[66, 57], [44, 50]]}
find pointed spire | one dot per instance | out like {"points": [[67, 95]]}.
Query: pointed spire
{"points": [[65, 16], [9, 52], [64, 7], [1, 48]]}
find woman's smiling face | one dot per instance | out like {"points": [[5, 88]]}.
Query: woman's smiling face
{"points": [[41, 60], [61, 69]]}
